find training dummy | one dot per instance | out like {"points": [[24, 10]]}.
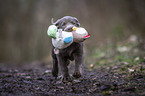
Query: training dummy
{"points": [[62, 39]]}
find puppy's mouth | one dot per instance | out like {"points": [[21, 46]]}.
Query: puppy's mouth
{"points": [[68, 28]]}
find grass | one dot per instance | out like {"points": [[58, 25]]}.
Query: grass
{"points": [[125, 55]]}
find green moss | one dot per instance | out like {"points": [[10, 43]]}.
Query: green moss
{"points": [[109, 56], [106, 93]]}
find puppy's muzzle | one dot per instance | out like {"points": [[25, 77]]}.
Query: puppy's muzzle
{"points": [[68, 28]]}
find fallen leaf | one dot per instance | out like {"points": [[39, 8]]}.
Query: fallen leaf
{"points": [[91, 65], [136, 59], [47, 71], [131, 70]]}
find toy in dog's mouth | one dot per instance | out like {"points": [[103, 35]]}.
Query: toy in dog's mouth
{"points": [[62, 39], [87, 36], [81, 31], [80, 34]]}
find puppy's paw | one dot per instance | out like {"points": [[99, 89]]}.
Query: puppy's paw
{"points": [[54, 73], [77, 74], [66, 79]]}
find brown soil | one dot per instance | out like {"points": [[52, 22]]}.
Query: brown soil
{"points": [[35, 79]]}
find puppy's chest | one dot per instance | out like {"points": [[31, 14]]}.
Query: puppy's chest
{"points": [[67, 51], [70, 50]]}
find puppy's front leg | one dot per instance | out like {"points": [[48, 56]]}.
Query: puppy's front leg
{"points": [[64, 69], [79, 60], [55, 64]]}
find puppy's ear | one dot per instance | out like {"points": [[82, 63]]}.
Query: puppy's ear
{"points": [[77, 22], [52, 21], [56, 23]]}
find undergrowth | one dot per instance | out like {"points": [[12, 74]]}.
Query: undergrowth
{"points": [[126, 56]]}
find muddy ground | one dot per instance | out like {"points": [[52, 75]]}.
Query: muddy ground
{"points": [[35, 79]]}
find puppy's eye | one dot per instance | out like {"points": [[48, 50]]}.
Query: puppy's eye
{"points": [[73, 23], [63, 24], [78, 25]]}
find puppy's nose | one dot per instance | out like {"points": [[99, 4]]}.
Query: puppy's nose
{"points": [[69, 29]]}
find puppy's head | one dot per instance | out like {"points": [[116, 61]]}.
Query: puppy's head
{"points": [[66, 23]]}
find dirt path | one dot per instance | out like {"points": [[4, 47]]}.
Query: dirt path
{"points": [[35, 79]]}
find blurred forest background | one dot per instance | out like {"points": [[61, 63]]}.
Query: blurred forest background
{"points": [[23, 25]]}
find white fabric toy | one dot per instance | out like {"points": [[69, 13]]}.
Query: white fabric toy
{"points": [[80, 34], [62, 39]]}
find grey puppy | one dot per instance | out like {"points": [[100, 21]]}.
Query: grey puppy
{"points": [[72, 52]]}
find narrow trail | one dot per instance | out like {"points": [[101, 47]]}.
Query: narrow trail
{"points": [[36, 79]]}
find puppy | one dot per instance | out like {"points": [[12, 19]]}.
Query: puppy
{"points": [[72, 52]]}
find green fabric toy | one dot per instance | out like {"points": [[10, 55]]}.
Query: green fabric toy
{"points": [[52, 29]]}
